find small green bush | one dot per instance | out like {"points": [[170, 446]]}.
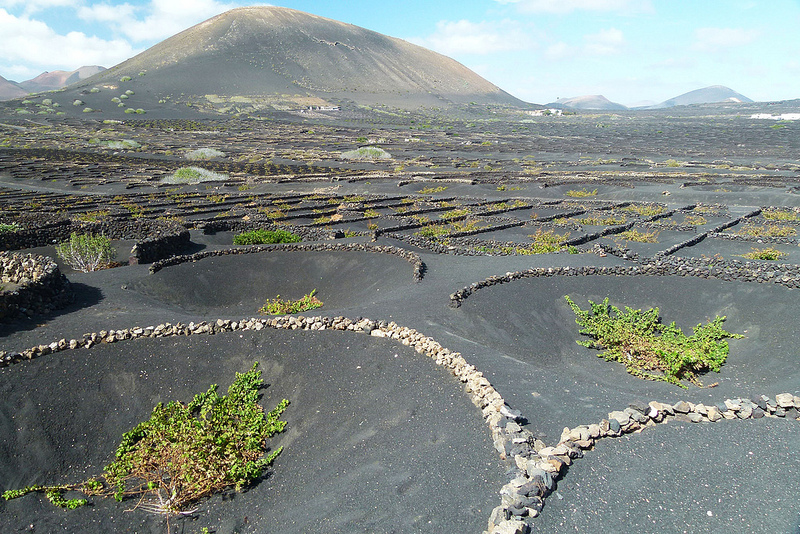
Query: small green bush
{"points": [[766, 254], [367, 153], [203, 154], [192, 175], [581, 193], [650, 349], [265, 237], [9, 228], [86, 253], [279, 306], [186, 452]]}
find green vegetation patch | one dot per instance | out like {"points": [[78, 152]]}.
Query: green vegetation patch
{"points": [[772, 230], [369, 153], [186, 452], [649, 348], [767, 254], [265, 237], [581, 193], [85, 252], [204, 154], [780, 215], [637, 237], [193, 175], [9, 228], [279, 306]]}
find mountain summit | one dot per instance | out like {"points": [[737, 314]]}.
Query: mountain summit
{"points": [[708, 95], [273, 51]]}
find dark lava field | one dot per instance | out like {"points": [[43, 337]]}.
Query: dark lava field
{"points": [[425, 234]]}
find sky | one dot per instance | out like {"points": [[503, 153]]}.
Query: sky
{"points": [[630, 51]]}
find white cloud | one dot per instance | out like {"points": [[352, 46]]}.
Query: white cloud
{"points": [[721, 39], [165, 18], [32, 6], [568, 6], [117, 14], [465, 37], [34, 43], [560, 50], [604, 43]]}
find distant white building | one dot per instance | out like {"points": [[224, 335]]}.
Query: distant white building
{"points": [[782, 117], [545, 112]]}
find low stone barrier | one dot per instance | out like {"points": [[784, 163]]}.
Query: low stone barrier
{"points": [[411, 257], [536, 468], [36, 285]]}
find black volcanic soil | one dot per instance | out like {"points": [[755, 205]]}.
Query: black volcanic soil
{"points": [[379, 439]]}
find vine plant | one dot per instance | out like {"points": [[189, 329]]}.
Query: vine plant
{"points": [[185, 452], [649, 348]]}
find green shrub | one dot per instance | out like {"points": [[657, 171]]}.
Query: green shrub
{"points": [[780, 215], [192, 175], [367, 153], [767, 254], [279, 306], [650, 349], [9, 228], [184, 453], [581, 193], [637, 237], [86, 253], [265, 237], [203, 154]]}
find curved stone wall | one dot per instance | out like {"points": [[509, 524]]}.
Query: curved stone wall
{"points": [[31, 285]]}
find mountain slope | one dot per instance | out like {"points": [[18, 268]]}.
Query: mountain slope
{"points": [[49, 81], [598, 102], [268, 51], [10, 90], [708, 95]]}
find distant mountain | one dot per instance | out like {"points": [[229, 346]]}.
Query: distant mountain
{"points": [[708, 95], [589, 102], [10, 90], [295, 57], [49, 81]]}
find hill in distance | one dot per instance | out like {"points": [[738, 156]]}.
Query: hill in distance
{"points": [[714, 94], [10, 90], [277, 58], [588, 102], [50, 81], [708, 95]]}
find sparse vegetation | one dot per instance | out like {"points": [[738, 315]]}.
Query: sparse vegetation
{"points": [[261, 236], [9, 228], [86, 253], [193, 175], [646, 210], [431, 190], [768, 254], [780, 215], [649, 348], [369, 153], [695, 220], [637, 237], [773, 230], [186, 452], [204, 154], [581, 193], [279, 306]]}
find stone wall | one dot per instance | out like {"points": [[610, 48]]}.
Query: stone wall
{"points": [[155, 239], [32, 285]]}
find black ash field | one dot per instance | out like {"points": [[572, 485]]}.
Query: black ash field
{"points": [[440, 387], [380, 438]]}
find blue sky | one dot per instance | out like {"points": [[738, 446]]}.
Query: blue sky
{"points": [[630, 51]]}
